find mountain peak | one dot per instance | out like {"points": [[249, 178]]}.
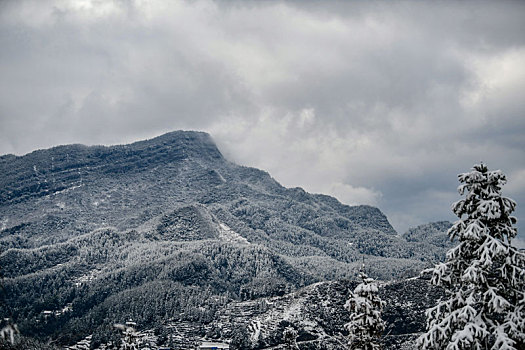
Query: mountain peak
{"points": [[169, 221], [47, 171], [190, 143]]}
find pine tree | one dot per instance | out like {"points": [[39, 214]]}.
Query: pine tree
{"points": [[290, 338], [484, 275], [365, 326]]}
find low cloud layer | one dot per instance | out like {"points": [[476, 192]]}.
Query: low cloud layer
{"points": [[374, 103]]}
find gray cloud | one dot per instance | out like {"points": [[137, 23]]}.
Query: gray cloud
{"points": [[371, 102]]}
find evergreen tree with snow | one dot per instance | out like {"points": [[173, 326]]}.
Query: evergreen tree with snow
{"points": [[290, 338], [130, 337], [484, 275], [365, 326]]}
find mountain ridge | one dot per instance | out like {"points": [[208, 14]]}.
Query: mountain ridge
{"points": [[51, 167], [88, 225]]}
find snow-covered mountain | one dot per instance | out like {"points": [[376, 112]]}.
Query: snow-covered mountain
{"points": [[168, 229]]}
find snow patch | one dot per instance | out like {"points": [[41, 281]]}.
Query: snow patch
{"points": [[67, 189], [220, 177], [228, 235], [92, 275], [4, 224], [255, 330], [292, 311]]}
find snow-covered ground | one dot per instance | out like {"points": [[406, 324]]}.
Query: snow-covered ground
{"points": [[228, 235]]}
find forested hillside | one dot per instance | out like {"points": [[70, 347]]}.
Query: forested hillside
{"points": [[167, 229]]}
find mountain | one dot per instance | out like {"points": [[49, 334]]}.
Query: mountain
{"points": [[434, 233], [167, 229]]}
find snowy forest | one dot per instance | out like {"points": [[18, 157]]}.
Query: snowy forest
{"points": [[250, 265], [262, 175]]}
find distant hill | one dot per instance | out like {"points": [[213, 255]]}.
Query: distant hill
{"points": [[168, 228], [434, 233]]}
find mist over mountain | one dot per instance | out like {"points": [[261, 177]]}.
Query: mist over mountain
{"points": [[168, 230]]}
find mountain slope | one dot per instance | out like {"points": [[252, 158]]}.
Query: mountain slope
{"points": [[434, 233], [316, 313], [86, 231]]}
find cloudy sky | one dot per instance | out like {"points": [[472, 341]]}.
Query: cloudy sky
{"points": [[375, 103]]}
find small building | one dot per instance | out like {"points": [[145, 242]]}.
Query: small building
{"points": [[213, 346]]}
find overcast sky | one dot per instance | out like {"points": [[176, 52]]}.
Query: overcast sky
{"points": [[379, 103]]}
